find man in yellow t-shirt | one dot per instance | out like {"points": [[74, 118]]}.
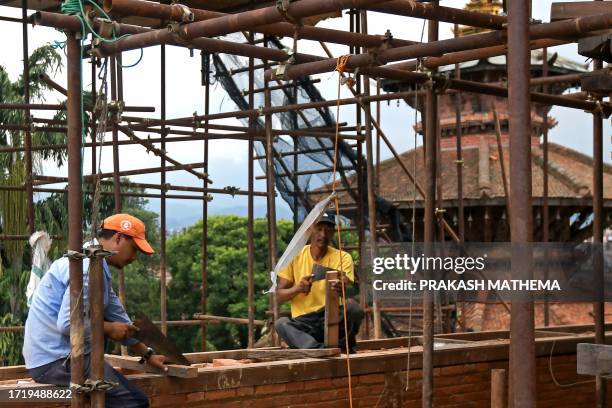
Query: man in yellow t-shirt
{"points": [[305, 328]]}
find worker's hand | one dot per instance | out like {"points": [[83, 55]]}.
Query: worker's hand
{"points": [[336, 284], [157, 360], [304, 285], [119, 331]]}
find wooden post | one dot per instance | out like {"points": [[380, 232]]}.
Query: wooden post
{"points": [[499, 379], [331, 311]]}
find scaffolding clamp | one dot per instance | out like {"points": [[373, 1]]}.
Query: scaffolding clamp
{"points": [[97, 251], [187, 16], [116, 108], [74, 255], [260, 110], [232, 190], [280, 70], [283, 8]]}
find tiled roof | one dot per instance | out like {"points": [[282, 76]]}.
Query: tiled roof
{"points": [[570, 173]]}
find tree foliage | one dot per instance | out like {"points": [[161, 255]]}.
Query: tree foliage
{"points": [[227, 277]]}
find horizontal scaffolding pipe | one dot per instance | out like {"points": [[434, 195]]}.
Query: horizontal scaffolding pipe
{"points": [[46, 106], [167, 187], [110, 193], [176, 12], [233, 23], [223, 319], [6, 237], [306, 172], [565, 29]]}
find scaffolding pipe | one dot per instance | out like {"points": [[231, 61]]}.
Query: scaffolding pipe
{"points": [[28, 133], [431, 130], [176, 12], [162, 212], [564, 29], [75, 216], [96, 305], [250, 209], [522, 336]]}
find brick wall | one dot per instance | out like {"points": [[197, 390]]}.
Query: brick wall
{"points": [[465, 385]]}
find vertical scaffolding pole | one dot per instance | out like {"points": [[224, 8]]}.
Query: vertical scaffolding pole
{"points": [[271, 193], [598, 264], [162, 211], [96, 304], [75, 214], [117, 95], [545, 210], [371, 178], [93, 118], [378, 138], [431, 131], [204, 264], [522, 339], [250, 248], [459, 162], [26, 113]]}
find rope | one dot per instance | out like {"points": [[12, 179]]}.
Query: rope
{"points": [[340, 67]]}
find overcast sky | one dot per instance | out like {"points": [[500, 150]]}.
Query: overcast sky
{"points": [[228, 158]]}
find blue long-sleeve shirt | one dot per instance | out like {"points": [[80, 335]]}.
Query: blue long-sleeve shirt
{"points": [[47, 329]]}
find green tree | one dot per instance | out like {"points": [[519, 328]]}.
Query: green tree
{"points": [[227, 277]]}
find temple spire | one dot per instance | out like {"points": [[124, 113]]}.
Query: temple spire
{"points": [[482, 6]]}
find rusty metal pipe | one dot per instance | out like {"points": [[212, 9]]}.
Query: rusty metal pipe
{"points": [[563, 29], [75, 217], [175, 12], [522, 336], [440, 13]]}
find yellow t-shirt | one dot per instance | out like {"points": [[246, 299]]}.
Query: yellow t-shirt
{"points": [[301, 267]]}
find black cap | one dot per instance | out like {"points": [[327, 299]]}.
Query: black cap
{"points": [[327, 217]]}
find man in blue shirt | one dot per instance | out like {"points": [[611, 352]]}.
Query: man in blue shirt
{"points": [[46, 346]]}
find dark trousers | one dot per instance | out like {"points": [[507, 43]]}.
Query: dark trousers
{"points": [[123, 395], [307, 331]]}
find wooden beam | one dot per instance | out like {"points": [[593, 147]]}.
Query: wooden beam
{"points": [[224, 319], [332, 319], [594, 359], [288, 354], [574, 9], [131, 363]]}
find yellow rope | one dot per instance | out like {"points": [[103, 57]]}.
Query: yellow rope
{"points": [[341, 67]]}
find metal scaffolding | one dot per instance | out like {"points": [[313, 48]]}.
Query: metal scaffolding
{"points": [[375, 57]]}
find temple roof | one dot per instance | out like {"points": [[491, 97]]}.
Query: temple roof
{"points": [[570, 174], [555, 61]]}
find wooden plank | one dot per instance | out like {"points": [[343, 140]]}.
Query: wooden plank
{"points": [[573, 9], [131, 363], [332, 318], [286, 354], [594, 359], [225, 319], [13, 372]]}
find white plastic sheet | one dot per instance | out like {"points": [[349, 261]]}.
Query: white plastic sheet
{"points": [[40, 242], [299, 239]]}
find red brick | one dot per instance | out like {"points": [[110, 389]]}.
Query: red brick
{"points": [[318, 384], [219, 394], [167, 400], [195, 396], [270, 389], [242, 391], [295, 386], [371, 379]]}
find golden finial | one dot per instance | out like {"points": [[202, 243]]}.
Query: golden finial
{"points": [[482, 6]]}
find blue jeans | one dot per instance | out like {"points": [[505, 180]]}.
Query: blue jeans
{"points": [[123, 395]]}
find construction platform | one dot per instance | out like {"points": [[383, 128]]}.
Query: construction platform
{"points": [[380, 378]]}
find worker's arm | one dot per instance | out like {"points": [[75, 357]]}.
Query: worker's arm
{"points": [[287, 290]]}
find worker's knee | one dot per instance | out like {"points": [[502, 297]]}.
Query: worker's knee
{"points": [[354, 312], [281, 324]]}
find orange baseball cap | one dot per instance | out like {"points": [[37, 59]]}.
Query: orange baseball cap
{"points": [[131, 226]]}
